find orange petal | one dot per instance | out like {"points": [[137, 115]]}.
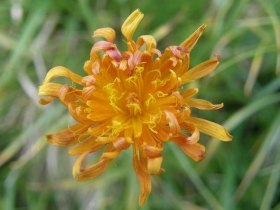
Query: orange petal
{"points": [[68, 136], [45, 101], [195, 151], [69, 94], [121, 143], [98, 168], [79, 111], [137, 126], [154, 165], [131, 23], [199, 71], [148, 40], [61, 71], [163, 133], [152, 151], [172, 122], [100, 115], [192, 39], [99, 129], [88, 145], [110, 155], [202, 104], [210, 128], [189, 93], [93, 171], [77, 165], [107, 33], [143, 178], [50, 89]]}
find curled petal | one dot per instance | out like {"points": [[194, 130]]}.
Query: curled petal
{"points": [[199, 71], [195, 151], [143, 178], [152, 151], [212, 129], [102, 46], [202, 104], [88, 80], [93, 171], [131, 23], [121, 143], [148, 40], [107, 33], [107, 47], [176, 51], [95, 67], [68, 136], [45, 101], [98, 168], [69, 94], [79, 111], [154, 165], [194, 137], [115, 54], [173, 123], [156, 51], [77, 165], [49, 89], [61, 71], [191, 40]]}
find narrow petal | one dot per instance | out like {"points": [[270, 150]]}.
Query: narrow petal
{"points": [[199, 71], [189, 93], [88, 145], [77, 165], [191, 40], [68, 136], [131, 23], [107, 33], [61, 71], [202, 104], [143, 178], [100, 115], [212, 129]]}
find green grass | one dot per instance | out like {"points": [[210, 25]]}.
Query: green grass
{"points": [[242, 174]]}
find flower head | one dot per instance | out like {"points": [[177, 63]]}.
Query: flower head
{"points": [[132, 99]]}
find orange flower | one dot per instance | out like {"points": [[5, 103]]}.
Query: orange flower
{"points": [[132, 99]]}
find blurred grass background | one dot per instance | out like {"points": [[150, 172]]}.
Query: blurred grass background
{"points": [[37, 35]]}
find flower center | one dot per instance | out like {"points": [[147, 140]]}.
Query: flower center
{"points": [[133, 104]]}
